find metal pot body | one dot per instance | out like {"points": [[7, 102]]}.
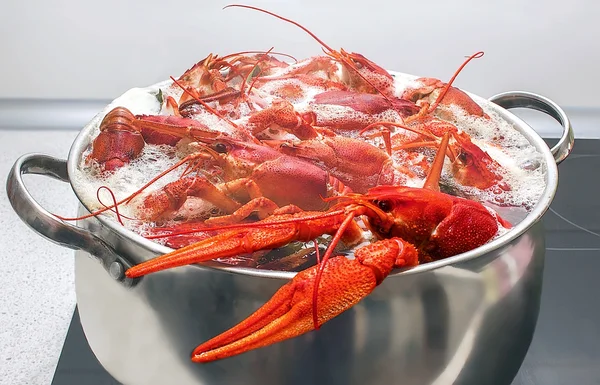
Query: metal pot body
{"points": [[451, 321], [452, 325]]}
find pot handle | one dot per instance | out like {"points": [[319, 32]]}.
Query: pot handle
{"points": [[522, 99], [52, 228]]}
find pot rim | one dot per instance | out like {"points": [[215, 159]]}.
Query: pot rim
{"points": [[83, 139]]}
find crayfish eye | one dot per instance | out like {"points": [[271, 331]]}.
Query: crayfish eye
{"points": [[357, 64], [463, 157], [220, 148], [385, 206]]}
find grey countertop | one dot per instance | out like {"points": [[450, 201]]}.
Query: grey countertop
{"points": [[37, 291], [37, 294]]}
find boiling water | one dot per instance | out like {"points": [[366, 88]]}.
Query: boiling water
{"points": [[521, 163]]}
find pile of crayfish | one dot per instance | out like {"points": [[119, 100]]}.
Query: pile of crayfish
{"points": [[279, 152]]}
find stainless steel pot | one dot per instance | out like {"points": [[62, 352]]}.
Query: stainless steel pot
{"points": [[468, 319]]}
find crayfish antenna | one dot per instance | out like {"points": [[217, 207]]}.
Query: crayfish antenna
{"points": [[449, 84], [333, 53], [435, 172], [284, 19], [206, 227], [259, 52], [336, 239], [115, 205], [250, 74]]}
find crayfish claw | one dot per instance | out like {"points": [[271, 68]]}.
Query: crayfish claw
{"points": [[249, 333], [289, 313]]}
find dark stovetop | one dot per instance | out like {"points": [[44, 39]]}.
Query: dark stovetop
{"points": [[566, 344]]}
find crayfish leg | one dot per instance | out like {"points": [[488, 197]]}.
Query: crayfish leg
{"points": [[161, 203], [263, 207]]}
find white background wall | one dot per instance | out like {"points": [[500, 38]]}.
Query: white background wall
{"points": [[83, 49]]}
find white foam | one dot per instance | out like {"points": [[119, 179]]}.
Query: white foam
{"points": [[512, 151], [126, 180], [404, 82]]}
